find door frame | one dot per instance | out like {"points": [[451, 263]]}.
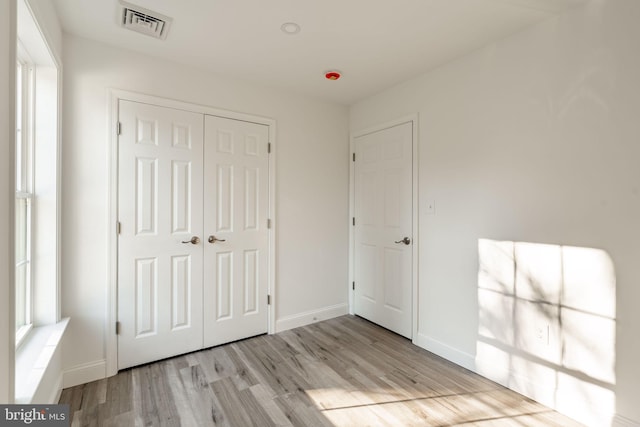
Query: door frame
{"points": [[114, 96], [413, 119]]}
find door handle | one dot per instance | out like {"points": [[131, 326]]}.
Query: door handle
{"points": [[213, 239], [406, 241], [194, 240]]}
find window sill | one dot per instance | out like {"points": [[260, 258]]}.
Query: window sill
{"points": [[22, 333], [34, 356]]}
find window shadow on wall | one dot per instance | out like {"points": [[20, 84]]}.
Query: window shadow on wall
{"points": [[547, 324]]}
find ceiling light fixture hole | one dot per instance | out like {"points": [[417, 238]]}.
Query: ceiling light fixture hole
{"points": [[290, 28]]}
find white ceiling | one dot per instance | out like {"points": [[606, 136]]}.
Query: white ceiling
{"points": [[375, 43]]}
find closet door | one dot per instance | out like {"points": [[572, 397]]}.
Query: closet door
{"points": [[159, 247], [236, 197]]}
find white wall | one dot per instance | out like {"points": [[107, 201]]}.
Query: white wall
{"points": [[531, 139], [312, 185], [7, 127]]}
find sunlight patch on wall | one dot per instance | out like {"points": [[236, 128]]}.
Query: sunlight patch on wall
{"points": [[547, 323]]}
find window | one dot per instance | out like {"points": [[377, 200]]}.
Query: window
{"points": [[38, 327], [24, 194], [37, 180]]}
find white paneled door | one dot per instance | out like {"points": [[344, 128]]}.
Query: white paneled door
{"points": [[160, 207], [236, 201], [383, 202], [193, 242]]}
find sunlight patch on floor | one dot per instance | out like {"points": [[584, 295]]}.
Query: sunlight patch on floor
{"points": [[344, 407]]}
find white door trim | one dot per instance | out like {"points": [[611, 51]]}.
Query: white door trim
{"points": [[413, 119], [114, 96]]}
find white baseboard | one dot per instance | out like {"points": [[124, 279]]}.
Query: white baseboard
{"points": [[445, 351], [308, 317], [620, 421], [85, 373]]}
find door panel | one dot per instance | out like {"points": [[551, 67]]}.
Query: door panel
{"points": [[180, 291], [181, 196], [236, 202], [146, 291], [160, 205], [383, 211]]}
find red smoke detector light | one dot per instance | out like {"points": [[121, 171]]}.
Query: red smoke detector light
{"points": [[332, 75]]}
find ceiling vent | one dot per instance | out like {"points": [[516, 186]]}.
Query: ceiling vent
{"points": [[144, 21]]}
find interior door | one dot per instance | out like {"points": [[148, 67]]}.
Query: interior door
{"points": [[236, 205], [160, 208], [383, 227]]}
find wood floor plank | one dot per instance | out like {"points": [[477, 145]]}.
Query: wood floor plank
{"points": [[118, 392], [266, 400], [90, 405], [157, 406], [181, 397], [341, 372], [215, 363], [299, 413], [205, 405], [231, 402]]}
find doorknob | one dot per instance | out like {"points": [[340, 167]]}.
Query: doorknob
{"points": [[406, 241], [213, 239], [194, 240]]}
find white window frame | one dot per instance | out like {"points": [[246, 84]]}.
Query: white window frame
{"points": [[24, 185]]}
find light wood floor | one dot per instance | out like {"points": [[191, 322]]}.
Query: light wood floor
{"points": [[340, 372]]}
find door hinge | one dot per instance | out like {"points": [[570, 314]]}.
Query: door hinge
{"points": [[353, 286], [117, 328], [118, 227], [269, 147], [269, 223], [119, 128], [354, 157], [353, 220], [268, 299]]}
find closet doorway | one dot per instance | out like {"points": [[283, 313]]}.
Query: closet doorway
{"points": [[193, 232]]}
